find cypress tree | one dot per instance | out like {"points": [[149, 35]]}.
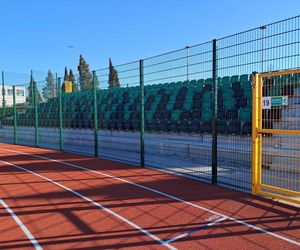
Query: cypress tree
{"points": [[66, 78], [31, 87], [73, 80], [49, 91], [113, 80], [85, 76]]}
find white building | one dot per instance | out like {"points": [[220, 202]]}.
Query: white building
{"points": [[8, 95]]}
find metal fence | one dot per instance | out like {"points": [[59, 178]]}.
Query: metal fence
{"points": [[187, 112]]}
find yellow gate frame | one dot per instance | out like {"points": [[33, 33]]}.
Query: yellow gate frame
{"points": [[257, 186]]}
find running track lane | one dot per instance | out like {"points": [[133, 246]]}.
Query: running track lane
{"points": [[133, 200], [62, 221], [12, 229]]}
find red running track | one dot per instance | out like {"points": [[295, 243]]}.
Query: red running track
{"points": [[68, 201]]}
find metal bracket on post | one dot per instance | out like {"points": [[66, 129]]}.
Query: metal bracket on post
{"points": [[15, 115], [60, 115], [95, 114], [214, 116], [142, 93]]}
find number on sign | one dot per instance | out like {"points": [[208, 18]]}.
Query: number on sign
{"points": [[266, 102]]}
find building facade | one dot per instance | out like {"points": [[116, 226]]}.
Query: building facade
{"points": [[8, 95]]}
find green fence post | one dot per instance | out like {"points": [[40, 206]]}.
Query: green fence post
{"points": [[36, 118], [95, 113], [60, 115], [15, 115], [142, 93], [56, 85], [214, 115], [3, 96]]}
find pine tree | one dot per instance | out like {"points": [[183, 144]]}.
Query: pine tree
{"points": [[73, 80], [113, 80], [85, 76], [49, 91], [66, 78], [31, 87]]}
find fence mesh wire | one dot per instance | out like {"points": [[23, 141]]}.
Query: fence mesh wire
{"points": [[177, 136], [119, 113], [268, 48], [178, 102], [280, 151]]}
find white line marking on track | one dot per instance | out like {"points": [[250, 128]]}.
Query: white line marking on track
{"points": [[195, 230], [21, 225], [162, 193], [97, 204]]}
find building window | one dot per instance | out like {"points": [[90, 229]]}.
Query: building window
{"points": [[20, 92], [10, 92]]}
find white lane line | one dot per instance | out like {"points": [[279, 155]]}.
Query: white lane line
{"points": [[97, 204], [195, 230], [161, 193], [21, 225]]}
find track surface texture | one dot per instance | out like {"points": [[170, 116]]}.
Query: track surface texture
{"points": [[56, 200]]}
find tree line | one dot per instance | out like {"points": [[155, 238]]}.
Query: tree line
{"points": [[85, 81]]}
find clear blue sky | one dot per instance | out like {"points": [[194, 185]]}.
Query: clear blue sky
{"points": [[35, 34]]}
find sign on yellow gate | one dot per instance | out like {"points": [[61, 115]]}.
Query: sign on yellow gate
{"points": [[276, 135]]}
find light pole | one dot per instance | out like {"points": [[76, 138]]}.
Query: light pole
{"points": [[77, 51], [187, 62], [262, 28]]}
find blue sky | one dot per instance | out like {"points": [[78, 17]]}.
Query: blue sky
{"points": [[36, 34]]}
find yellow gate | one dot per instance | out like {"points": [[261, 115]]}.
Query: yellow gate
{"points": [[276, 135]]}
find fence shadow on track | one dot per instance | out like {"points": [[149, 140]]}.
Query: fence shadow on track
{"points": [[116, 195]]}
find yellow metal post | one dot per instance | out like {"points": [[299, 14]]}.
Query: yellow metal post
{"points": [[259, 87], [254, 133]]}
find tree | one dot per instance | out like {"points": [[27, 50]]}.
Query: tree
{"points": [[113, 80], [73, 80], [97, 83], [49, 90], [32, 86], [66, 78], [85, 76]]}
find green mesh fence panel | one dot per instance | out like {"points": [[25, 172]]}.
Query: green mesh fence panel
{"points": [[48, 113], [178, 102], [77, 115], [10, 79], [25, 115], [269, 48], [177, 138], [119, 113]]}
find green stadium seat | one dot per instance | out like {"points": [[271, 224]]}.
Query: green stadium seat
{"points": [[247, 85], [206, 114], [193, 82], [234, 79], [208, 81], [244, 78], [206, 104], [227, 93], [207, 96], [225, 81], [229, 103], [175, 114], [245, 115]]}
